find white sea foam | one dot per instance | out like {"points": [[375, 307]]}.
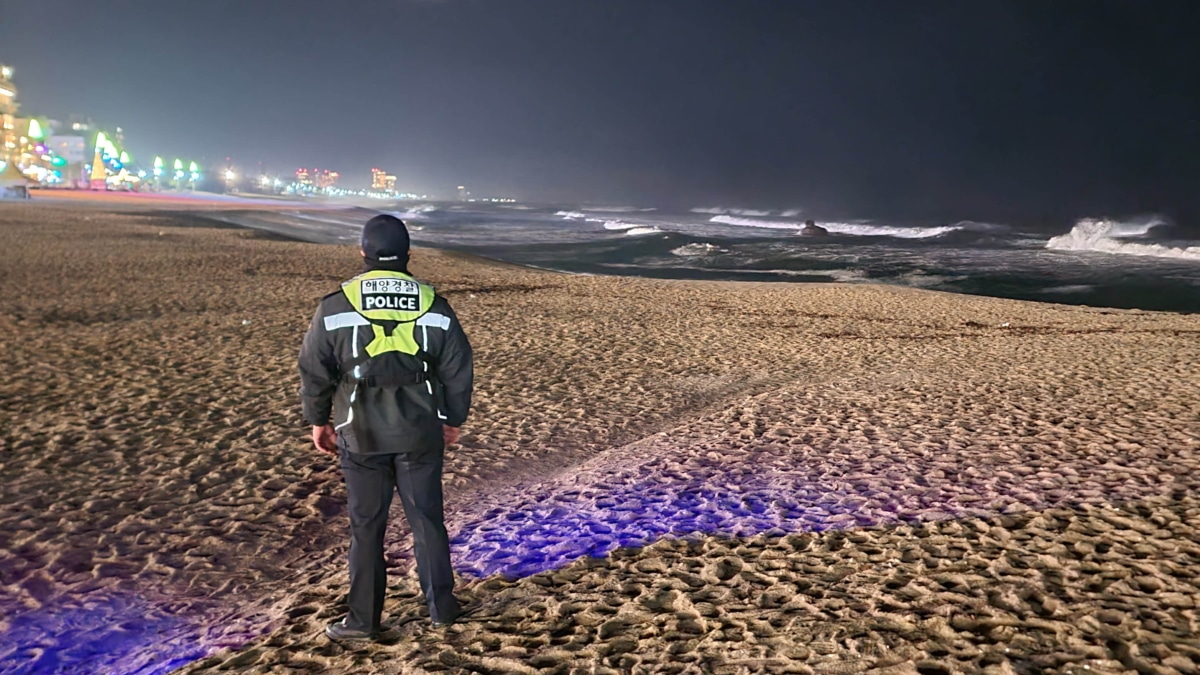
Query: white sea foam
{"points": [[846, 276], [856, 229], [922, 279], [719, 210], [571, 215], [638, 231], [755, 222], [866, 230], [614, 209], [416, 212], [617, 224], [1108, 236], [841, 276], [1071, 288], [697, 249], [1030, 243], [976, 226]]}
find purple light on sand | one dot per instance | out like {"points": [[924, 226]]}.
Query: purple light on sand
{"points": [[99, 632], [555, 529]]}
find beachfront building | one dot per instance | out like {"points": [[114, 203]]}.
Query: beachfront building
{"points": [[8, 115], [314, 181], [74, 152], [32, 156], [327, 179], [382, 181]]}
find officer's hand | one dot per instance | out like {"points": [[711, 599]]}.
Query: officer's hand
{"points": [[450, 434], [325, 438]]}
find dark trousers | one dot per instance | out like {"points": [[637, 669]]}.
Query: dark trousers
{"points": [[370, 482]]}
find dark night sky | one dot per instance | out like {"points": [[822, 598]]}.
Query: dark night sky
{"points": [[951, 109]]}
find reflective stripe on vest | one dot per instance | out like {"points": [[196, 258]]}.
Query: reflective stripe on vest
{"points": [[381, 295]]}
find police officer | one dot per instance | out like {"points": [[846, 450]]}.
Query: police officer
{"points": [[386, 378]]}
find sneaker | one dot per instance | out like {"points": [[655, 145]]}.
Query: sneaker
{"points": [[338, 630]]}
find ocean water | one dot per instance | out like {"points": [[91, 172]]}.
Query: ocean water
{"points": [[1143, 263]]}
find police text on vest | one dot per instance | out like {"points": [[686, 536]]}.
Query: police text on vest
{"points": [[407, 303]]}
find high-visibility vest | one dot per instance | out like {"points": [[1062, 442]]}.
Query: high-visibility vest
{"points": [[383, 296]]}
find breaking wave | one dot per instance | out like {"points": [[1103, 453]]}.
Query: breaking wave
{"points": [[855, 229], [1111, 236], [698, 249], [718, 210], [640, 230], [754, 222], [416, 212]]}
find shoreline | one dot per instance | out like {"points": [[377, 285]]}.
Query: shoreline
{"points": [[155, 472], [209, 206]]}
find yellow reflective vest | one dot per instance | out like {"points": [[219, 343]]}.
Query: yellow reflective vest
{"points": [[386, 296]]}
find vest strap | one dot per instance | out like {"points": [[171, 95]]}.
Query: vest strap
{"points": [[384, 381]]}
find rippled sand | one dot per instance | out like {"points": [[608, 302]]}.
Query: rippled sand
{"points": [[826, 478]]}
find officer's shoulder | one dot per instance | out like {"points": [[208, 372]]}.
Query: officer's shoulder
{"points": [[440, 300], [334, 301]]}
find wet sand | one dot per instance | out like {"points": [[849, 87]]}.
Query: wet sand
{"points": [[825, 478]]}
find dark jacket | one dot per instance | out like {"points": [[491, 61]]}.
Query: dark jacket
{"points": [[405, 419]]}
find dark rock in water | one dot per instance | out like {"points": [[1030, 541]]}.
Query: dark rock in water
{"points": [[811, 229]]}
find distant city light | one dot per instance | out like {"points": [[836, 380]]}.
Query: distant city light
{"points": [[35, 130], [179, 165], [125, 157], [7, 92], [6, 72], [230, 176]]}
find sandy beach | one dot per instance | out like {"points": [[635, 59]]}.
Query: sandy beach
{"points": [[658, 476]]}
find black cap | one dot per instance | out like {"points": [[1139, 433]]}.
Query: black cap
{"points": [[385, 239]]}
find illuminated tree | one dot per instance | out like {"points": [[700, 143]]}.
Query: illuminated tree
{"points": [[99, 174]]}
